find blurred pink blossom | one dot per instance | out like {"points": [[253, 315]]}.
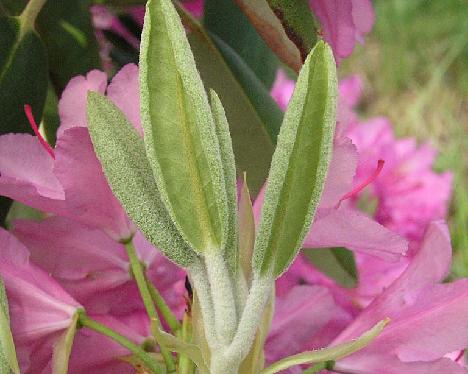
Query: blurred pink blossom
{"points": [[344, 22]]}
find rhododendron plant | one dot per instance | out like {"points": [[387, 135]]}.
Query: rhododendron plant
{"points": [[176, 221]]}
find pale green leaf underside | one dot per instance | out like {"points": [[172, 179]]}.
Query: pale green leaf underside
{"points": [[229, 172], [328, 354], [8, 361], [299, 164], [122, 154], [180, 135]]}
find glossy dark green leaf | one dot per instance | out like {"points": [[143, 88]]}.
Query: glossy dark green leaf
{"points": [[272, 31], [337, 263], [224, 19], [299, 165], [67, 31], [23, 75], [254, 89], [298, 23]]}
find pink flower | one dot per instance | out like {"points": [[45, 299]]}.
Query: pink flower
{"points": [[344, 22], [39, 308], [429, 319]]}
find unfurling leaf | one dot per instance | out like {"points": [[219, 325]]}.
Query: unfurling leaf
{"points": [[300, 163], [122, 154], [229, 172], [180, 136], [246, 230]]}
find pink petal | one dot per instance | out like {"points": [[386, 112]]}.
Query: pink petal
{"points": [[72, 105], [282, 89], [88, 196], [338, 28], [347, 228], [340, 172], [304, 312], [124, 91], [83, 259], [94, 353], [26, 173], [363, 16], [38, 305]]}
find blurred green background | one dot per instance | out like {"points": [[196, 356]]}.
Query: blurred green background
{"points": [[425, 92]]}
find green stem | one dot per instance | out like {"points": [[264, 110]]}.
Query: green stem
{"points": [[163, 308], [139, 276], [186, 365], [85, 321], [30, 13]]}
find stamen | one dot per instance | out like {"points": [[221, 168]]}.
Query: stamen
{"points": [[32, 123], [460, 355], [363, 185]]}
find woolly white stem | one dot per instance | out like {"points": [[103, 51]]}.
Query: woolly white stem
{"points": [[222, 293], [242, 291], [201, 285], [253, 311], [227, 361]]}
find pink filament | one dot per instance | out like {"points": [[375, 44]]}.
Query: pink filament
{"points": [[364, 184], [32, 123]]}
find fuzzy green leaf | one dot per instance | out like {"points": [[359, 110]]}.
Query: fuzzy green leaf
{"points": [[8, 361], [328, 354], [229, 171], [246, 230], [300, 163], [122, 154], [180, 136]]}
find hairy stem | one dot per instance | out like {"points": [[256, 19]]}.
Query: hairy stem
{"points": [[202, 287], [85, 321], [222, 293], [227, 360], [139, 276]]}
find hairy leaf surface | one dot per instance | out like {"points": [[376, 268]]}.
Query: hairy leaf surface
{"points": [[180, 135], [122, 154], [299, 165]]}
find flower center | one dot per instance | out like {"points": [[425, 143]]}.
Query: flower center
{"points": [[32, 123], [364, 184]]}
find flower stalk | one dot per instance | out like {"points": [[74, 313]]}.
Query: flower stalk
{"points": [[140, 279], [85, 321]]}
